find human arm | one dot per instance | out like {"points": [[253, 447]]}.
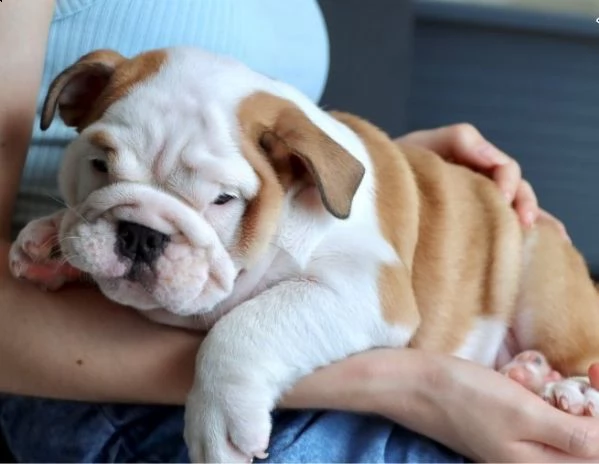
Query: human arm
{"points": [[469, 408], [72, 344]]}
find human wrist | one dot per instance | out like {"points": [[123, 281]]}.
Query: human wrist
{"points": [[403, 383], [338, 386], [389, 382]]}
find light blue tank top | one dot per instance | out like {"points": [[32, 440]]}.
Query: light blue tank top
{"points": [[285, 39]]}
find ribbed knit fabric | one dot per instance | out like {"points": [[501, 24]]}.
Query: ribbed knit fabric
{"points": [[285, 39]]}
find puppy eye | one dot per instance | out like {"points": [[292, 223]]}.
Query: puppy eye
{"points": [[223, 198], [99, 165]]}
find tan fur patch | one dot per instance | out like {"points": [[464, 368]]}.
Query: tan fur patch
{"points": [[464, 250], [261, 217], [459, 245], [126, 76], [468, 257], [84, 91], [560, 301], [397, 205], [285, 148]]}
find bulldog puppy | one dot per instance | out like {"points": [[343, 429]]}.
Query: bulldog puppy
{"points": [[207, 195]]}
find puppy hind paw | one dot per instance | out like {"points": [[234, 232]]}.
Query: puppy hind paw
{"points": [[573, 395], [531, 370]]}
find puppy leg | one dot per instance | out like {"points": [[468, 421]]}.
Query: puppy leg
{"points": [[255, 353], [35, 255], [558, 315], [574, 394]]}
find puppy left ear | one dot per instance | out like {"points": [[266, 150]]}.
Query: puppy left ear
{"points": [[74, 91], [300, 150]]}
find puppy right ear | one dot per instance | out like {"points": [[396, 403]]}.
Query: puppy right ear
{"points": [[75, 90]]}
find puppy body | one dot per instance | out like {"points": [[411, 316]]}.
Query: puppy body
{"points": [[204, 194]]}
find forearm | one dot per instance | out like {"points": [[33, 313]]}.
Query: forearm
{"points": [[367, 382], [407, 386], [24, 29], [74, 344]]}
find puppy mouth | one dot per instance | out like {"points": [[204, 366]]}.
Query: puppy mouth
{"points": [[139, 267]]}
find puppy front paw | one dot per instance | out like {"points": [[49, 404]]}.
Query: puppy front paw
{"points": [[226, 425], [573, 395], [35, 256]]}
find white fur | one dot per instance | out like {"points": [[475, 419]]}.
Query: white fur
{"points": [[310, 299], [573, 395], [484, 341]]}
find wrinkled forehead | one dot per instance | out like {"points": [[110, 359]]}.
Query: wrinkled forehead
{"points": [[182, 110]]}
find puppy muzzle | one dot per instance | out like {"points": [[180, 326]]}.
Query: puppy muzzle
{"points": [[148, 249]]}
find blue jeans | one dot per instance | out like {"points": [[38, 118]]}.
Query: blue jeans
{"points": [[40, 430]]}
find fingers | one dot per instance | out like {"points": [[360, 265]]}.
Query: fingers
{"points": [[460, 143], [536, 452], [471, 149], [508, 178], [545, 216], [526, 204], [463, 144], [594, 375], [572, 435]]}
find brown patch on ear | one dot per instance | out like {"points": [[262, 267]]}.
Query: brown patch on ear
{"points": [[85, 90], [335, 172], [286, 135], [266, 121], [128, 74], [75, 89]]}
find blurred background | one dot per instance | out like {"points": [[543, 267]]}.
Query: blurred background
{"points": [[525, 72]]}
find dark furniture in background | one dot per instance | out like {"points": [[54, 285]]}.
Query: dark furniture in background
{"points": [[370, 55], [528, 80]]}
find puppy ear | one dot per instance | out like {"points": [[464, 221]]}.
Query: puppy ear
{"points": [[75, 89], [301, 151]]}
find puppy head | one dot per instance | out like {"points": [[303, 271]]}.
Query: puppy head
{"points": [[185, 167]]}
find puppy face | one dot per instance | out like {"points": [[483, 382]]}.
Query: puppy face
{"points": [[185, 167]]}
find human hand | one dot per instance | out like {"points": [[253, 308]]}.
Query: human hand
{"points": [[463, 144], [478, 412]]}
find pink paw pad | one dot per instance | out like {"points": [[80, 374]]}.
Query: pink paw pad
{"points": [[35, 256], [531, 370]]}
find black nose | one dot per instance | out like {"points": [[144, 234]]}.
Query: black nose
{"points": [[140, 243]]}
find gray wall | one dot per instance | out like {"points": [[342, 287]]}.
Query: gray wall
{"points": [[529, 81]]}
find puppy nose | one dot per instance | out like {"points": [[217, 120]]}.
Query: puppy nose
{"points": [[140, 243]]}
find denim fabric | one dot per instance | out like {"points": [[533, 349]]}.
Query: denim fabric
{"points": [[57, 431]]}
